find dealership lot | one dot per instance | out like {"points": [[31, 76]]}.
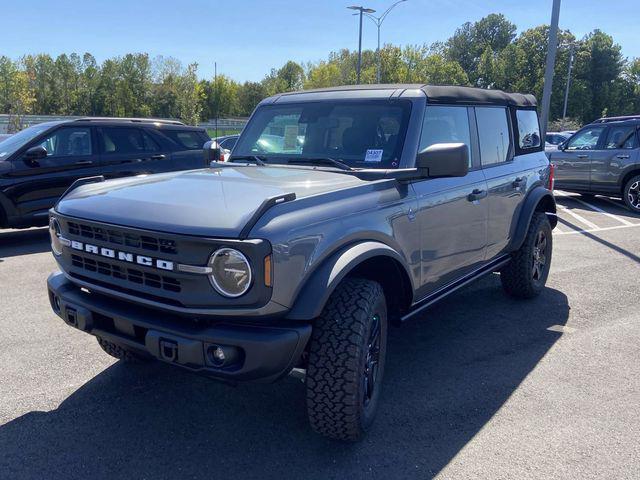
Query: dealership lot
{"points": [[479, 387]]}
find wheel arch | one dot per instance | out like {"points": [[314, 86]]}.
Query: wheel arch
{"points": [[540, 199], [368, 259]]}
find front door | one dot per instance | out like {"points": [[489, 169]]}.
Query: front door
{"points": [[39, 183], [573, 163], [614, 155], [452, 212]]}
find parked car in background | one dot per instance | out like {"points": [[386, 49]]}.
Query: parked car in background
{"points": [[552, 140], [602, 158], [39, 163]]}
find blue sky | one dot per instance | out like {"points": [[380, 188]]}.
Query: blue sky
{"points": [[249, 37]]}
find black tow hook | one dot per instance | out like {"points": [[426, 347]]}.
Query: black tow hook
{"points": [[168, 350]]}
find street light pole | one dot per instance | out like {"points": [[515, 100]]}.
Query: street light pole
{"points": [[378, 21], [566, 92], [551, 61], [361, 10]]}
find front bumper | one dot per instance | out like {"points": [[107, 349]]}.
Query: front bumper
{"points": [[265, 352]]}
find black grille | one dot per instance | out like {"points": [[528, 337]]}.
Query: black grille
{"points": [[145, 242], [132, 275]]}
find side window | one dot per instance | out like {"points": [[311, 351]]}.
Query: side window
{"points": [[189, 140], [586, 139], [445, 125], [127, 140], [493, 134], [68, 142], [529, 130], [621, 137]]}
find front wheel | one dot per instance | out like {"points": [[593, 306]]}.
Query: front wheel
{"points": [[631, 194], [346, 360], [527, 272]]}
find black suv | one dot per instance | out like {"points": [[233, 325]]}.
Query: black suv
{"points": [[38, 164], [602, 158], [340, 211]]}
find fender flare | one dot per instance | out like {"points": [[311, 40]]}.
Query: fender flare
{"points": [[538, 195], [314, 294]]}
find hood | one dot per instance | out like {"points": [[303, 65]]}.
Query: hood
{"points": [[214, 202]]}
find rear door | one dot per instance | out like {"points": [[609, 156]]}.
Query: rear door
{"points": [[617, 152], [505, 178], [573, 164], [187, 147], [39, 183], [452, 212], [127, 150]]}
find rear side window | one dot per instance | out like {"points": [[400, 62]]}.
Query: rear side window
{"points": [[493, 134], [621, 137], [586, 139], [528, 129], [445, 125], [127, 140], [188, 139]]}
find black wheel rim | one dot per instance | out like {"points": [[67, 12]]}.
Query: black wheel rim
{"points": [[633, 195], [372, 360], [539, 255]]}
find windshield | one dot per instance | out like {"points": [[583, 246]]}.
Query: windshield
{"points": [[15, 142], [361, 134]]}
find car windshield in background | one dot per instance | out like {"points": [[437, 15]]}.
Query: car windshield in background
{"points": [[360, 134], [13, 143]]}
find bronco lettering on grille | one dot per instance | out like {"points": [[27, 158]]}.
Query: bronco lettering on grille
{"points": [[122, 256]]}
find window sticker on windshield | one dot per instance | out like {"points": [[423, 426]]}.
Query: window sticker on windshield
{"points": [[373, 155]]}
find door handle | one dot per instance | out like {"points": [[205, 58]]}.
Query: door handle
{"points": [[622, 157], [158, 157], [582, 156], [518, 182], [84, 162], [476, 195]]}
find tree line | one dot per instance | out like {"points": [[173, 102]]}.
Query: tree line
{"points": [[487, 53]]}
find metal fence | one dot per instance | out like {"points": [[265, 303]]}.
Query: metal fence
{"points": [[224, 124]]}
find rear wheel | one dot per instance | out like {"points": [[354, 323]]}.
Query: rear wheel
{"points": [[631, 194], [346, 360], [121, 352], [526, 274]]}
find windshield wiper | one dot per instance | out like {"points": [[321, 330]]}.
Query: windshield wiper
{"points": [[326, 160], [261, 161]]}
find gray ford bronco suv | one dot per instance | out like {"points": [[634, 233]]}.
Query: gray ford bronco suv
{"points": [[340, 212]]}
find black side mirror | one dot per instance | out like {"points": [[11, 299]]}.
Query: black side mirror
{"points": [[443, 160], [34, 154], [212, 152]]}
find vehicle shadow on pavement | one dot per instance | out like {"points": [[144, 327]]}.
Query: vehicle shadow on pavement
{"points": [[447, 374], [23, 242]]}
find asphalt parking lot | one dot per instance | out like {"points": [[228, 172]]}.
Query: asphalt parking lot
{"points": [[481, 386]]}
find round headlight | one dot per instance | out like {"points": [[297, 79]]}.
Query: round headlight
{"points": [[231, 272], [55, 232]]}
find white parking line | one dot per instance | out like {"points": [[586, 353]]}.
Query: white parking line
{"points": [[598, 209], [580, 218], [593, 230]]}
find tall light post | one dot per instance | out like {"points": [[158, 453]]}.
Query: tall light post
{"points": [[378, 21], [572, 47], [551, 61], [361, 10]]}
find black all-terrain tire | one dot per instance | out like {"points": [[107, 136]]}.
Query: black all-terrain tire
{"points": [[122, 353], [523, 277], [339, 403], [631, 199]]}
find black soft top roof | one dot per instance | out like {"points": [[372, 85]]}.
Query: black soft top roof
{"points": [[448, 94]]}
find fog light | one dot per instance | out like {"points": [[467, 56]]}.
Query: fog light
{"points": [[222, 355]]}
